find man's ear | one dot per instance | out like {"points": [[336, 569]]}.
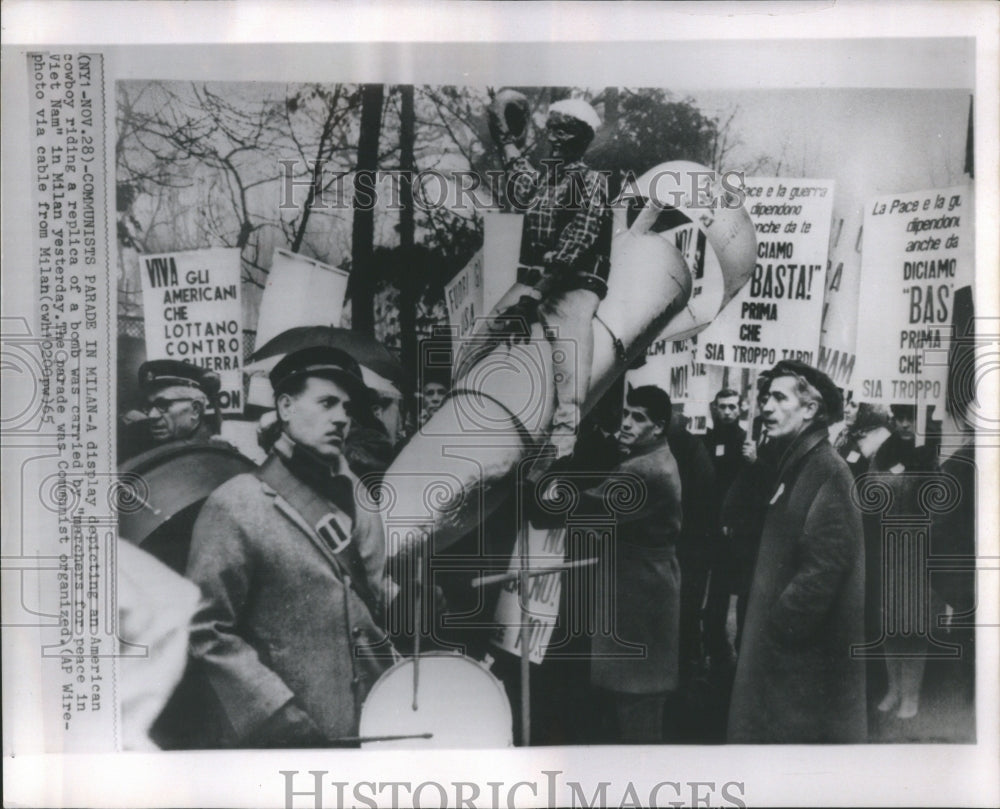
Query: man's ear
{"points": [[811, 408], [281, 403], [199, 406]]}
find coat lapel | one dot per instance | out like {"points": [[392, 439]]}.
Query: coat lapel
{"points": [[801, 446]]}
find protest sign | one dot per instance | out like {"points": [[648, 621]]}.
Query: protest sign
{"points": [[673, 366], [477, 287], [777, 314], [501, 251], [838, 334], [541, 601], [463, 296], [300, 291], [192, 309], [917, 251]]}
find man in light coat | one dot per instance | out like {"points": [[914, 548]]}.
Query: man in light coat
{"points": [[288, 638], [796, 681]]}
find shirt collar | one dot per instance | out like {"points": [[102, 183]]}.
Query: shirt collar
{"points": [[645, 449], [291, 450]]}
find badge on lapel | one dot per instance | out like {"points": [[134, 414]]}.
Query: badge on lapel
{"points": [[333, 533]]}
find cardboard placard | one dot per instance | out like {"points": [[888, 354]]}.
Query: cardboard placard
{"points": [[917, 250], [777, 315], [193, 312]]}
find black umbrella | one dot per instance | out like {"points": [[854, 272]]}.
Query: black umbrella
{"points": [[366, 350]]}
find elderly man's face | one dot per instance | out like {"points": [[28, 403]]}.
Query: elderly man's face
{"points": [[174, 415], [317, 418], [785, 415], [728, 409]]}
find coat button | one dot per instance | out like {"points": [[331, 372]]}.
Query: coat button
{"points": [[356, 632]]}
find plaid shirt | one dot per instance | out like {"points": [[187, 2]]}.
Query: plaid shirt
{"points": [[567, 223]]}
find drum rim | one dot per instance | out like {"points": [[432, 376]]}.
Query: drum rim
{"points": [[153, 458], [450, 655]]}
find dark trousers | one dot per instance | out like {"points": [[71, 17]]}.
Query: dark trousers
{"points": [[631, 718], [722, 584], [694, 578]]}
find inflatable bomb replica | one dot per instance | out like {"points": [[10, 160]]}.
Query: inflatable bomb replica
{"points": [[674, 267]]}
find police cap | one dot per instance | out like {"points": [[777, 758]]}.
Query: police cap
{"points": [[322, 361], [155, 375]]}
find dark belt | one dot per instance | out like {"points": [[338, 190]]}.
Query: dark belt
{"points": [[532, 276]]}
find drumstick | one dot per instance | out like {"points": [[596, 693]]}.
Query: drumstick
{"points": [[525, 637], [345, 740], [497, 578]]}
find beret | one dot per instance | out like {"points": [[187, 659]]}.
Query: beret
{"points": [[828, 391], [579, 109], [156, 374], [322, 361]]}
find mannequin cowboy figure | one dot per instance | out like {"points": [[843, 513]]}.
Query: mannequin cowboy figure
{"points": [[565, 249]]}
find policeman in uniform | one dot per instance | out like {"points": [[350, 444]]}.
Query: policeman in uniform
{"points": [[179, 405], [288, 638]]}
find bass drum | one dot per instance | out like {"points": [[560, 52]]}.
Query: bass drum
{"points": [[160, 493], [458, 701]]}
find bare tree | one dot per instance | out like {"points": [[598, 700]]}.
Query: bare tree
{"points": [[363, 229]]}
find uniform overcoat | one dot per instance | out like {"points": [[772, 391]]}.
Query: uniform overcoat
{"points": [[278, 619], [796, 681]]}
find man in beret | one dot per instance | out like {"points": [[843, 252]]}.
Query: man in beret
{"points": [[178, 405], [289, 637], [565, 251], [796, 681]]}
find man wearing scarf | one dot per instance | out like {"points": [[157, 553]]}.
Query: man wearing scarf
{"points": [[796, 681], [288, 638]]}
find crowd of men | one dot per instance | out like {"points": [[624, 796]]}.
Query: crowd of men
{"points": [[747, 562], [290, 633]]}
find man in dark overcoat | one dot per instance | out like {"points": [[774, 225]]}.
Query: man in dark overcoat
{"points": [[796, 681], [724, 443], [288, 638], [639, 586]]}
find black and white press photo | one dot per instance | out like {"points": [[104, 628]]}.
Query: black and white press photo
{"points": [[512, 422]]}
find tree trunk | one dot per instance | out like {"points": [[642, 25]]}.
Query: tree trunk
{"points": [[363, 229], [410, 275]]}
